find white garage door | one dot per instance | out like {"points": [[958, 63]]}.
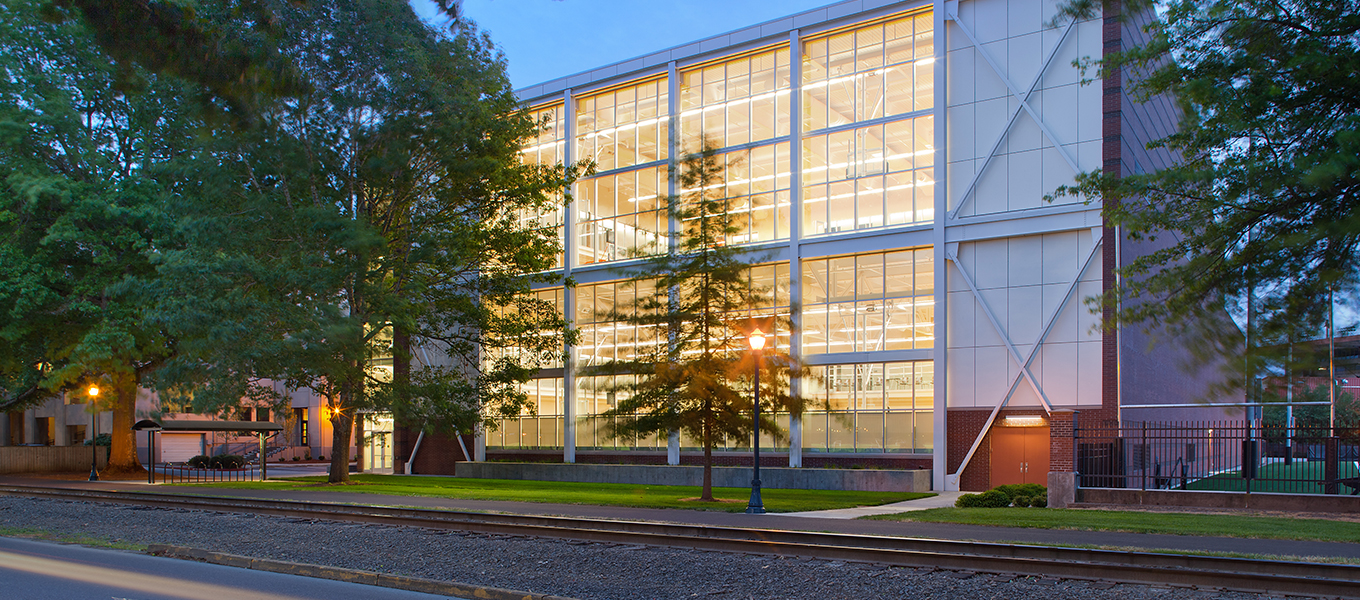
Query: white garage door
{"points": [[180, 447]]}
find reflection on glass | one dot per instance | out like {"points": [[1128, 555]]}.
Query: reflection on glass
{"points": [[875, 71], [869, 177], [869, 302]]}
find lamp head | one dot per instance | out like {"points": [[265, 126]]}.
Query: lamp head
{"points": [[93, 391], [757, 340]]}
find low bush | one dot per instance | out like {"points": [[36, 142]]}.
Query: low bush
{"points": [[228, 461], [1016, 490], [1020, 494], [200, 461]]}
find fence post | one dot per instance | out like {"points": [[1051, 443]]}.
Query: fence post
{"points": [[1330, 486], [1143, 457]]}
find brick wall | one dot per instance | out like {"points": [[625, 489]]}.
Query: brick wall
{"points": [[1060, 455], [964, 426], [1112, 126]]}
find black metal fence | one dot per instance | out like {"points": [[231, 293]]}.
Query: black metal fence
{"points": [[171, 473], [1218, 456]]}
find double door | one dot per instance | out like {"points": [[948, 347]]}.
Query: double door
{"points": [[1019, 455]]}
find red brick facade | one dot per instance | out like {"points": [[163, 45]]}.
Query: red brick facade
{"points": [[1061, 455]]}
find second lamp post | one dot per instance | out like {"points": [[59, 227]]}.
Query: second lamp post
{"points": [[755, 506]]}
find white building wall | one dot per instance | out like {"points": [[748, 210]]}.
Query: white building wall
{"points": [[1020, 252]]}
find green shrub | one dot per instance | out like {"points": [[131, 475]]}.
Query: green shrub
{"points": [[1022, 501], [967, 501], [994, 499], [1040, 501], [228, 461], [1015, 490], [200, 462]]}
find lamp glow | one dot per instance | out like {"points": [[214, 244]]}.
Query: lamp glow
{"points": [[93, 391], [757, 340]]}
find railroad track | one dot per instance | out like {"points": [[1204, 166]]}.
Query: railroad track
{"points": [[1204, 572]]}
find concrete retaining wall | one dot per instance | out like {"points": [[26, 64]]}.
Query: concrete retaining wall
{"points": [[868, 480], [1254, 500], [48, 459]]}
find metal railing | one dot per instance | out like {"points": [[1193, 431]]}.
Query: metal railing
{"points": [[1238, 456], [177, 473]]}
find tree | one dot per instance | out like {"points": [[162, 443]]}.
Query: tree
{"points": [[383, 213], [1264, 206], [697, 298], [83, 156]]}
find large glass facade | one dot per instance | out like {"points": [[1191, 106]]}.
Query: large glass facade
{"points": [[871, 407], [869, 73], [735, 102], [547, 148], [623, 127], [866, 177], [540, 423], [866, 137], [869, 302]]}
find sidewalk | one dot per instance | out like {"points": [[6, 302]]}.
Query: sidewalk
{"points": [[941, 500], [826, 521]]}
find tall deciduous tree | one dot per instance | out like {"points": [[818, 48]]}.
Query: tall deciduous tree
{"points": [[82, 154], [383, 212], [697, 307], [1265, 201]]}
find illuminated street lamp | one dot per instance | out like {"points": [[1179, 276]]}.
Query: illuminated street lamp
{"points": [[94, 433], [755, 506]]}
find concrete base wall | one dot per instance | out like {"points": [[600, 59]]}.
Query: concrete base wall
{"points": [[1242, 500], [49, 459], [867, 480]]}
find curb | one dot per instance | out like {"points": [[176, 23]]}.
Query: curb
{"points": [[411, 584]]}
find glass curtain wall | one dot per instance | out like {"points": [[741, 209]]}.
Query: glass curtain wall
{"points": [[547, 148], [871, 407], [867, 144], [540, 422], [869, 302], [741, 107], [621, 213], [860, 175]]}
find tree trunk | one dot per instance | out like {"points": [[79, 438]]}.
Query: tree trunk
{"points": [[342, 423], [123, 452]]}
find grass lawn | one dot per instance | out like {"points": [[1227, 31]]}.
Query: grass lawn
{"points": [[605, 494], [1294, 477], [1245, 526]]}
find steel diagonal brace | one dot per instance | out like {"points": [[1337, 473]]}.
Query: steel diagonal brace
{"points": [[1010, 347], [1015, 112], [953, 478]]}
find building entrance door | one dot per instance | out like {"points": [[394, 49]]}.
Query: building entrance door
{"points": [[378, 449], [1019, 455]]}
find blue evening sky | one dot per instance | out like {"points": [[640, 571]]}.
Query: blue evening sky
{"points": [[547, 39]]}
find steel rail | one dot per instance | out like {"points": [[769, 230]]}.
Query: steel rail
{"points": [[1235, 574]]}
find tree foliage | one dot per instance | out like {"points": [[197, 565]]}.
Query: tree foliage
{"points": [[1265, 199], [83, 161], [695, 309], [381, 220]]}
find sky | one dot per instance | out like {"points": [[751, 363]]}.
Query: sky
{"points": [[548, 39]]}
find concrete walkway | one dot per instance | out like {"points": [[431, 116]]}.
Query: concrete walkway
{"points": [[940, 500]]}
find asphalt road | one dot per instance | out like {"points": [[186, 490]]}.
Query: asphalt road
{"points": [[40, 570]]}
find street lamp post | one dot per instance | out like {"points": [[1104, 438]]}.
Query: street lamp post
{"points": [[94, 433], [755, 506]]}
